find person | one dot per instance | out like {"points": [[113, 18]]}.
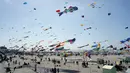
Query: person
{"points": [[14, 68], [77, 62], [58, 70], [54, 71], [8, 70], [83, 64], [19, 63], [8, 64], [41, 59], [48, 59], [98, 67]]}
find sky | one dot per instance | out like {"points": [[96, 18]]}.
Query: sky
{"points": [[13, 13]]}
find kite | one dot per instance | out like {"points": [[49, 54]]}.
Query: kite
{"points": [[52, 49], [70, 9], [26, 37], [111, 46], [57, 10], [92, 5], [88, 28], [23, 27], [115, 48], [66, 49], [82, 16], [47, 28], [19, 40], [128, 46], [53, 45], [121, 48], [54, 39], [66, 2], [28, 32], [34, 8], [109, 14], [124, 41], [83, 46], [126, 27], [96, 45], [61, 48], [128, 39], [25, 3], [60, 44], [81, 24], [71, 41]]}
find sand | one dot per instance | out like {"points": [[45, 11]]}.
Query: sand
{"points": [[72, 68]]}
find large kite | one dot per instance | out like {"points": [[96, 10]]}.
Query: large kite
{"points": [[70, 9], [61, 44], [83, 46], [61, 48], [125, 40]]}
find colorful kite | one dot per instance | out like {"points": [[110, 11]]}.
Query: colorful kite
{"points": [[128, 46], [71, 41], [96, 45], [61, 48], [70, 9]]}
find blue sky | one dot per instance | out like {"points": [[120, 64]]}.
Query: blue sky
{"points": [[15, 14]]}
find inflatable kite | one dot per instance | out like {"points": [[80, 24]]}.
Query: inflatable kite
{"points": [[71, 41], [61, 48], [125, 40], [70, 9], [96, 47], [83, 46]]}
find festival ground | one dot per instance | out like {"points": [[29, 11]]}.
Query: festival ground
{"points": [[70, 67]]}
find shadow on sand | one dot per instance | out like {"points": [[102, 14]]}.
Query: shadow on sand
{"points": [[69, 71]]}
